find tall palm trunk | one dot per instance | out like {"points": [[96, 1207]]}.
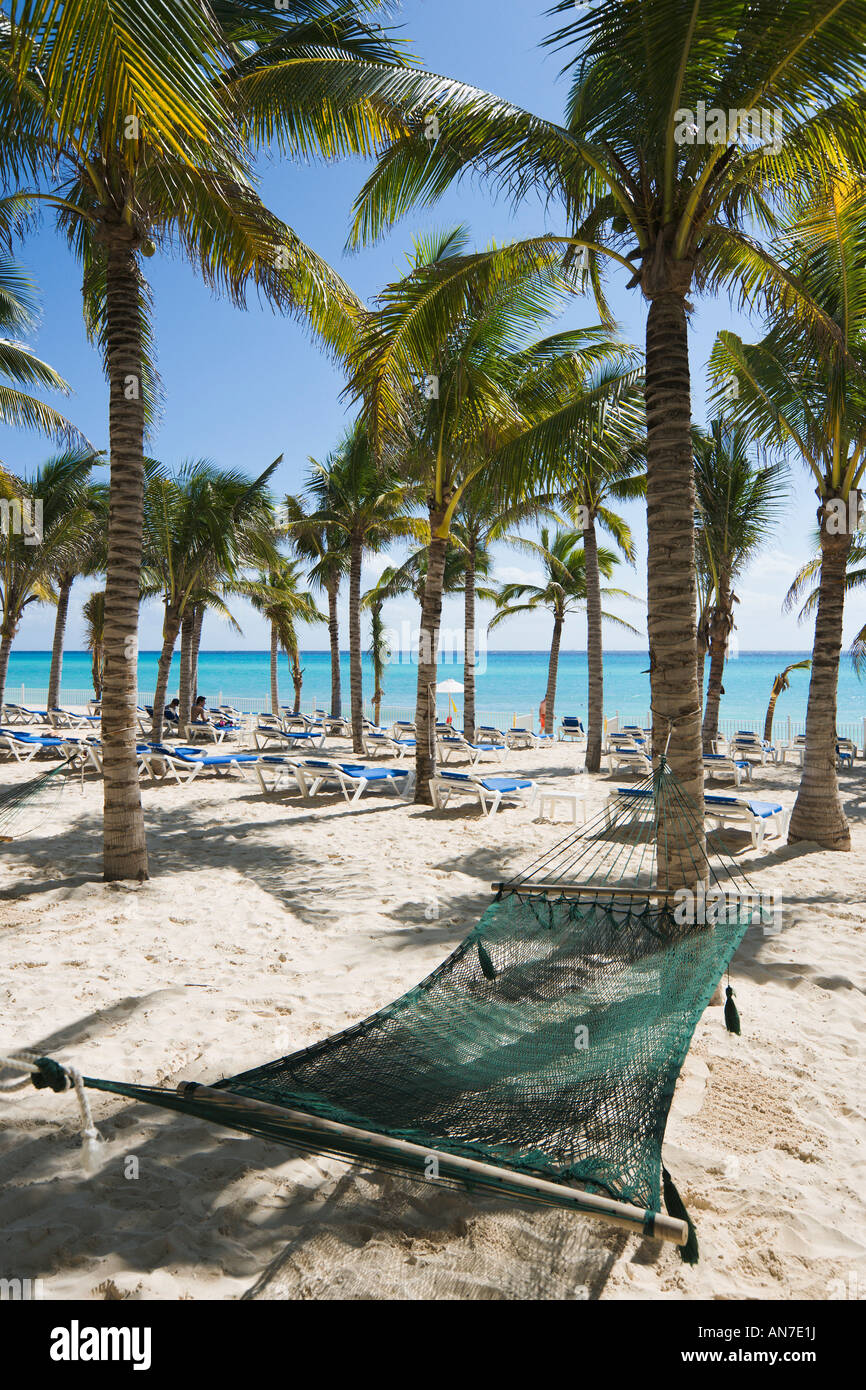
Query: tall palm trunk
{"points": [[720, 628], [297, 677], [355, 669], [198, 622], [275, 674], [552, 671], [594, 650], [469, 642], [333, 588], [817, 813], [378, 653], [170, 628], [124, 844], [428, 645], [7, 636], [671, 587], [96, 669], [64, 589], [185, 692], [771, 710]]}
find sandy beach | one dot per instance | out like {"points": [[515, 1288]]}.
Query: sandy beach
{"points": [[270, 922]]}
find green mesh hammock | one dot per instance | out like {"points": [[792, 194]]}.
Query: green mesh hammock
{"points": [[540, 1058]]}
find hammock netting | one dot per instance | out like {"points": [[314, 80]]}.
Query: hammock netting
{"points": [[37, 793], [548, 1043]]}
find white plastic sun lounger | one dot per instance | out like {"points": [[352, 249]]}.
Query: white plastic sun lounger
{"points": [[315, 773], [23, 747], [68, 719], [489, 792], [570, 727], [86, 750], [728, 769], [519, 737], [720, 811], [453, 746], [490, 735], [185, 764], [376, 743], [270, 735], [630, 756], [277, 773]]}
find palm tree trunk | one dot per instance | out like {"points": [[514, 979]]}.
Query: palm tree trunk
{"points": [[671, 587], [170, 629], [96, 668], [297, 677], [6, 639], [63, 591], [185, 691], [428, 645], [355, 669], [817, 813], [197, 625], [334, 638], [124, 843], [594, 650], [376, 647], [275, 674], [721, 626], [778, 687], [701, 667], [552, 671], [469, 642]]}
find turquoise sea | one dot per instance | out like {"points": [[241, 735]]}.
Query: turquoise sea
{"points": [[508, 682]]}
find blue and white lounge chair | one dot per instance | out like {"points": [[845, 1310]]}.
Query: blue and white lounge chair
{"points": [[270, 735], [519, 737], [185, 764], [67, 719], [719, 765], [746, 744], [489, 734], [624, 752], [454, 746], [315, 773], [721, 811], [375, 742], [276, 772], [489, 792], [571, 727], [24, 746]]}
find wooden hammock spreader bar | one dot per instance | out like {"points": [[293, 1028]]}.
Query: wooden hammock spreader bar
{"points": [[594, 890], [452, 1166]]}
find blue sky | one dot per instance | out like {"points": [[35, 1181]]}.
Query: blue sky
{"points": [[242, 387]]}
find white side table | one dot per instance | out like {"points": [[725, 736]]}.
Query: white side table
{"points": [[547, 799]]}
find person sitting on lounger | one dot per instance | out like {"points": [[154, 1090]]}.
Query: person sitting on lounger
{"points": [[199, 710], [170, 713]]}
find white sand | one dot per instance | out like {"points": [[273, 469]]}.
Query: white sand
{"points": [[269, 923]]}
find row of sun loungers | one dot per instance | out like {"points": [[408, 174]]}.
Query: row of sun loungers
{"points": [[757, 816]]}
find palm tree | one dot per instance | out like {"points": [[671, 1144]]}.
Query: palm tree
{"points": [[85, 558], [780, 684], [56, 520], [147, 145], [324, 546], [855, 579], [93, 613], [200, 528], [564, 591], [804, 391], [679, 202], [361, 500], [380, 650], [277, 595], [737, 504], [442, 363]]}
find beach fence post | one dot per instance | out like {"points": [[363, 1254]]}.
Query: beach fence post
{"points": [[789, 728], [864, 738]]}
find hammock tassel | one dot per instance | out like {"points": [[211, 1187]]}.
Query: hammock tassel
{"points": [[732, 1013], [689, 1253]]}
